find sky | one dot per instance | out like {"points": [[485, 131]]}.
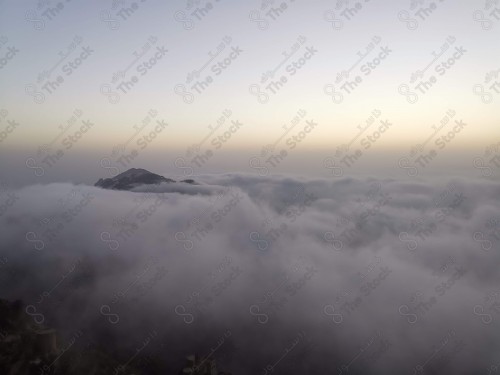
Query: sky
{"points": [[269, 67]]}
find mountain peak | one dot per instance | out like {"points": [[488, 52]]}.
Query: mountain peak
{"points": [[131, 178], [133, 172]]}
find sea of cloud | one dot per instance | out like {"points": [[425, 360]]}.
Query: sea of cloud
{"points": [[265, 274]]}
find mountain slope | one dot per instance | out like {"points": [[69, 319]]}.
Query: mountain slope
{"points": [[132, 178]]}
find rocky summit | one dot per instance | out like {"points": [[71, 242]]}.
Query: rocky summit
{"points": [[134, 177]]}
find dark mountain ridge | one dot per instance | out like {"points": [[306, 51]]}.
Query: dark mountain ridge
{"points": [[135, 177]]}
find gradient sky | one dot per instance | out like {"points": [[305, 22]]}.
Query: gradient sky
{"points": [[41, 35]]}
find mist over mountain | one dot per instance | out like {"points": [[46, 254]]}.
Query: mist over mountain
{"points": [[263, 273], [135, 177], [205, 187]]}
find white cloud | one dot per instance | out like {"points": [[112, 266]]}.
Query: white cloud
{"points": [[293, 238]]}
